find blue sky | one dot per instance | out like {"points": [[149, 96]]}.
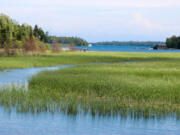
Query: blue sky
{"points": [[100, 20]]}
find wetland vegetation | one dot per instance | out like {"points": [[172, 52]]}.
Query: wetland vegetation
{"points": [[146, 87]]}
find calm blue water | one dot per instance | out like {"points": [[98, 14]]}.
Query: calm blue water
{"points": [[45, 123], [59, 124], [125, 49]]}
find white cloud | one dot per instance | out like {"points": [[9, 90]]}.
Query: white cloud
{"points": [[144, 23]]}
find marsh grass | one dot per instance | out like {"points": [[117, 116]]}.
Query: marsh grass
{"points": [[148, 88], [44, 60]]}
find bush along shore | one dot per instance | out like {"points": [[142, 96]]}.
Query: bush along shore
{"points": [[21, 39], [146, 88]]}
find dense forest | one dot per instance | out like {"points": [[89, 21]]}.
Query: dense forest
{"points": [[173, 42], [11, 33], [130, 43], [26, 38], [68, 40]]}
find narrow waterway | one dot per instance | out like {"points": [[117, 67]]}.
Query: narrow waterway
{"points": [[21, 76]]}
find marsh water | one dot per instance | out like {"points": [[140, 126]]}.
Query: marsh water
{"points": [[46, 123], [20, 76]]}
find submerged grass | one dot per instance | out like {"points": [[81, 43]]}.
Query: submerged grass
{"points": [[147, 87]]}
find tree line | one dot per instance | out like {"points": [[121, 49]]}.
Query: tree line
{"points": [[173, 42], [68, 40], [130, 43], [26, 38]]}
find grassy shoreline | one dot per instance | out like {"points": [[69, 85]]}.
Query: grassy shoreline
{"points": [[149, 85], [66, 58]]}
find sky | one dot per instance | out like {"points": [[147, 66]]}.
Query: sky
{"points": [[100, 20]]}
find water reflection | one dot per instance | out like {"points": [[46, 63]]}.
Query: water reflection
{"points": [[59, 123], [36, 107]]}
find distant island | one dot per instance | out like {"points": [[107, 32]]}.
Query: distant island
{"points": [[131, 43], [171, 43]]}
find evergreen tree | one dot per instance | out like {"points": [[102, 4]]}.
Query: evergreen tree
{"points": [[173, 42]]}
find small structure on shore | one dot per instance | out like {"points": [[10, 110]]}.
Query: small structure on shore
{"points": [[90, 45], [157, 47]]}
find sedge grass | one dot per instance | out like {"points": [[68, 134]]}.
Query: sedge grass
{"points": [[148, 86]]}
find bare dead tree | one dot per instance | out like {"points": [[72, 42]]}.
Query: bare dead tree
{"points": [[56, 47]]}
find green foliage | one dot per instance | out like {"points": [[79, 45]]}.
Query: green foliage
{"points": [[11, 31], [6, 30], [48, 46], [14, 36], [68, 40], [173, 42], [40, 34]]}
